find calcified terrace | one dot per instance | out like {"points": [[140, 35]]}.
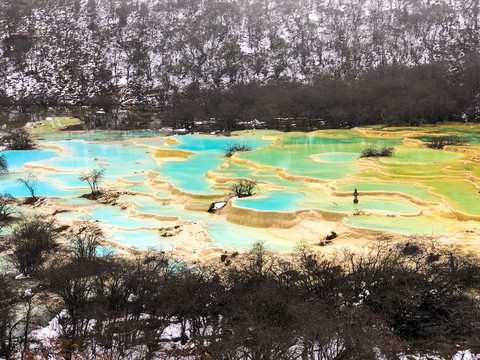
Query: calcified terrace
{"points": [[306, 182]]}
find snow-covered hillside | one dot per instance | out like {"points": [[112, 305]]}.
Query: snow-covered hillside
{"points": [[140, 51]]}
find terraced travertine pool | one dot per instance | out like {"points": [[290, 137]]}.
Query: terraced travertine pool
{"points": [[305, 182]]}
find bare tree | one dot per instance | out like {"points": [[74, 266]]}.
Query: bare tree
{"points": [[5, 208], [72, 282], [93, 179], [28, 311], [86, 241], [8, 322], [3, 164], [30, 182]]}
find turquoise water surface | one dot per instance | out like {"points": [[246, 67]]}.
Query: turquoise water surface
{"points": [[43, 188], [227, 235], [16, 159], [119, 159], [141, 240], [282, 166], [189, 175], [113, 216], [295, 200], [418, 226]]}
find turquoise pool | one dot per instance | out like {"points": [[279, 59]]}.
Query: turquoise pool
{"points": [[295, 171]]}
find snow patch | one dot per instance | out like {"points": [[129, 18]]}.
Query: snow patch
{"points": [[22, 276], [219, 205]]}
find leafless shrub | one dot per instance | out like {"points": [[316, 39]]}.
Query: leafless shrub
{"points": [[232, 148], [244, 188], [373, 151], [5, 206], [33, 238], [357, 306], [18, 139], [439, 142]]}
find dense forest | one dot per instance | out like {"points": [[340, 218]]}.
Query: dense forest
{"points": [[307, 63]]}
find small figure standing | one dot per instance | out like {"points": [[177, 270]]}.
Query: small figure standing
{"points": [[355, 197]]}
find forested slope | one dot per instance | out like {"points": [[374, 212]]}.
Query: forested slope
{"points": [[142, 52]]}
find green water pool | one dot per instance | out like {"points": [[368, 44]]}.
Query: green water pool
{"points": [[363, 186], [295, 171], [421, 225]]}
